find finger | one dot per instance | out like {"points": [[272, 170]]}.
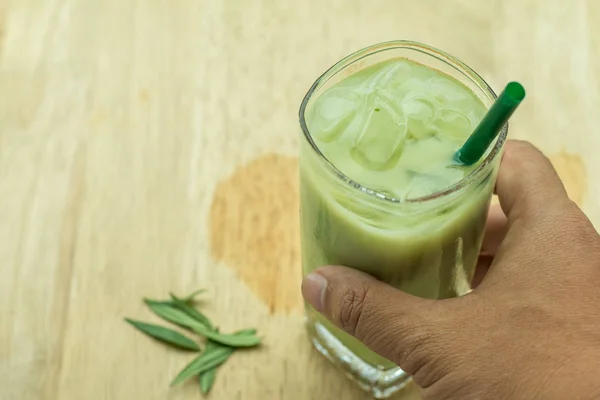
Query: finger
{"points": [[527, 183], [495, 230], [483, 266], [538, 212], [396, 325]]}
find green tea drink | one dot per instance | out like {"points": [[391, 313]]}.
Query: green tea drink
{"points": [[380, 190]]}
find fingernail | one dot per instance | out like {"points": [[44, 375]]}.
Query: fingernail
{"points": [[313, 290]]}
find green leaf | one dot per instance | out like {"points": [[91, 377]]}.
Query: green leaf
{"points": [[182, 305], [209, 359], [233, 340], [192, 296], [246, 332], [206, 380], [212, 346], [165, 335], [169, 312]]}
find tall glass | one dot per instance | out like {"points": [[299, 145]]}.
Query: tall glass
{"points": [[425, 246]]}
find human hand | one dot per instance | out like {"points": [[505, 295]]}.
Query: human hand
{"points": [[529, 330]]}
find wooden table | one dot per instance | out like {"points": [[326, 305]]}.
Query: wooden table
{"points": [[150, 146]]}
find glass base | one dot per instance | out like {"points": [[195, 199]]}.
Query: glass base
{"points": [[380, 383]]}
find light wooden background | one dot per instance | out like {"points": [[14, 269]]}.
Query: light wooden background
{"points": [[149, 146]]}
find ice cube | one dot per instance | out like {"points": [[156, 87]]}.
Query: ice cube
{"points": [[427, 154], [413, 86], [333, 112], [453, 124], [420, 113], [425, 184], [390, 74], [444, 90], [421, 185], [380, 138]]}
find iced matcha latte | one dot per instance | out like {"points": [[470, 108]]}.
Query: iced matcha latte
{"points": [[380, 190]]}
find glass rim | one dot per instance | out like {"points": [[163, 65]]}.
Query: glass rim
{"points": [[430, 51]]}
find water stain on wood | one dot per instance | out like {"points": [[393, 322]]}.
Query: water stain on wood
{"points": [[255, 229], [572, 171]]}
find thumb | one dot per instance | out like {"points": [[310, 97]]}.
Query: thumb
{"points": [[400, 327]]}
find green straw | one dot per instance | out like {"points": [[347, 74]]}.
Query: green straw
{"points": [[491, 124]]}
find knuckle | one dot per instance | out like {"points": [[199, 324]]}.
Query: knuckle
{"points": [[526, 156], [519, 150], [351, 308], [568, 222], [537, 178], [574, 227]]}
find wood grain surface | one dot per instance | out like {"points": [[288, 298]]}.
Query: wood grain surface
{"points": [[149, 146]]}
